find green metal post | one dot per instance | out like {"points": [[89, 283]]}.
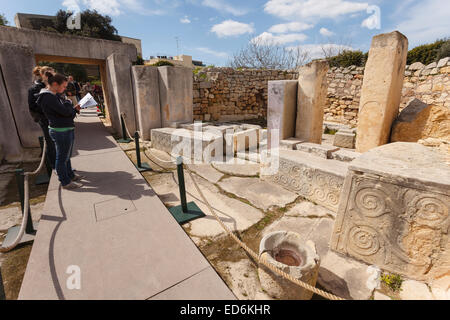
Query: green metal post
{"points": [[142, 167], [182, 184], [20, 185]]}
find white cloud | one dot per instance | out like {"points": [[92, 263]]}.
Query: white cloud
{"points": [[312, 10], [316, 51], [290, 27], [111, 7], [425, 21], [222, 5], [185, 19], [232, 28], [213, 52], [325, 32], [269, 38]]}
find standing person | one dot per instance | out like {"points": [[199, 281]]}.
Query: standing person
{"points": [[71, 91], [77, 90], [37, 113], [87, 88], [61, 114]]}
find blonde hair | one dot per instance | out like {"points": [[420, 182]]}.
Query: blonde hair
{"points": [[37, 71], [46, 71]]}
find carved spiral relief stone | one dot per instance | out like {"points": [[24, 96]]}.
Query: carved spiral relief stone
{"points": [[428, 210], [363, 240], [371, 202]]}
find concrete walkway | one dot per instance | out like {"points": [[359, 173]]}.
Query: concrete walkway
{"points": [[117, 231]]}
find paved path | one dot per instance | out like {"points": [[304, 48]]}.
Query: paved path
{"points": [[117, 231]]}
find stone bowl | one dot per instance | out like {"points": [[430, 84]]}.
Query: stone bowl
{"points": [[290, 253]]}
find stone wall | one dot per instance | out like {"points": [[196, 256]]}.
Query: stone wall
{"points": [[226, 94], [431, 84]]}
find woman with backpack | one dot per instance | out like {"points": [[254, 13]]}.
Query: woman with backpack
{"points": [[37, 113], [60, 114]]}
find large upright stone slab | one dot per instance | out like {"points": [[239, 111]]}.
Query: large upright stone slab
{"points": [[176, 94], [121, 98], [382, 89], [146, 90], [10, 146], [17, 63], [312, 95], [282, 107], [394, 211]]}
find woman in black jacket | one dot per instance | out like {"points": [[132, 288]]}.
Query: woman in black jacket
{"points": [[60, 114], [37, 113]]}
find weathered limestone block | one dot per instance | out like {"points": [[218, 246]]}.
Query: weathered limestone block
{"points": [[289, 252], [118, 68], [345, 139], [282, 107], [290, 144], [381, 90], [312, 95], [17, 62], [394, 211], [9, 139], [201, 146], [345, 155], [421, 121], [317, 149], [243, 140], [176, 94], [312, 177], [146, 90]]}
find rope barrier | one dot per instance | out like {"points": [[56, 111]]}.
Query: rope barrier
{"points": [[26, 206], [255, 256], [258, 257]]}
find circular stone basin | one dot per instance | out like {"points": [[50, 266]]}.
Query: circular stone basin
{"points": [[288, 257], [288, 252]]}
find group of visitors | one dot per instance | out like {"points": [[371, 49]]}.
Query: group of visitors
{"points": [[53, 103]]}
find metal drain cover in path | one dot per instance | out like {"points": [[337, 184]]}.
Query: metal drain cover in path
{"points": [[114, 208]]}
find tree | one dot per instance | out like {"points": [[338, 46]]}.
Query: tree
{"points": [[348, 58], [3, 20], [77, 71], [263, 54], [426, 53], [93, 25]]}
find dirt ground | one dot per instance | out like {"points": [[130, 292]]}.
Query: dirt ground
{"points": [[13, 264]]}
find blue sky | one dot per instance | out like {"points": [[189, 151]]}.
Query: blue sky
{"points": [[212, 30]]}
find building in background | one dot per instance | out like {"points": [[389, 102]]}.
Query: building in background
{"points": [[37, 22], [181, 60]]}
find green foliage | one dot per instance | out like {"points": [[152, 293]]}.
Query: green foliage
{"points": [[392, 281], [3, 20], [197, 70], [444, 51], [330, 131], [427, 53], [77, 71], [162, 63], [211, 66], [139, 61], [93, 25], [348, 58]]}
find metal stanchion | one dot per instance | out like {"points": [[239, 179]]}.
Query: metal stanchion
{"points": [[124, 139], [142, 167], [30, 232], [187, 211], [45, 177]]}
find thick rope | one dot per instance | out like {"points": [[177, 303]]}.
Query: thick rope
{"points": [[241, 244], [256, 256], [26, 202]]}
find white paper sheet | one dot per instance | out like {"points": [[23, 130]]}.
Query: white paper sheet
{"points": [[87, 102]]}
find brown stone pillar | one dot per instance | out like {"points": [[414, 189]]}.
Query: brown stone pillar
{"points": [[312, 94], [381, 90]]}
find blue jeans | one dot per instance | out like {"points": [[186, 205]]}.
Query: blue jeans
{"points": [[64, 146]]}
